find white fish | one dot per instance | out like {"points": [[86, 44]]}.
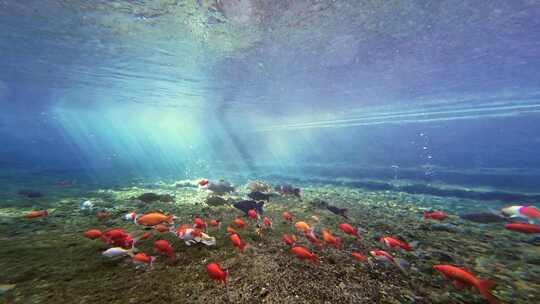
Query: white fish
{"points": [[188, 237], [130, 216], [87, 205], [117, 252]]}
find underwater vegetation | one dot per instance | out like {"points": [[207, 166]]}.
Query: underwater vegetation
{"points": [[319, 244]]}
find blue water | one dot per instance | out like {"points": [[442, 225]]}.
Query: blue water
{"points": [[436, 93]]}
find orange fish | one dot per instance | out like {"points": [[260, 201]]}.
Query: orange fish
{"points": [[153, 219], [35, 214], [92, 234], [289, 240], [302, 226], [215, 272], [359, 257], [230, 230], [215, 223], [304, 254], [330, 239], [145, 235], [235, 239], [287, 216], [463, 278], [103, 214], [162, 228], [393, 243], [141, 259], [239, 223], [348, 229]]}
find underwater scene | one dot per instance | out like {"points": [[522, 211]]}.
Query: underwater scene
{"points": [[270, 151]]}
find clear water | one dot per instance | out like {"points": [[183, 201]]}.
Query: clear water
{"points": [[428, 104]]}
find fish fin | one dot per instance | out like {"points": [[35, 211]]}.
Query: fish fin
{"points": [[485, 287], [459, 285]]}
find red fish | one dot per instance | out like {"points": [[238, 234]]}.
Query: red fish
{"points": [[235, 239], [530, 212], [304, 254], [103, 214], [289, 240], [92, 234], [310, 235], [287, 216], [463, 278], [230, 230], [267, 222], [216, 273], [199, 224], [523, 228], [215, 223], [393, 243], [203, 182], [252, 214], [348, 229], [436, 215], [35, 214], [359, 257], [239, 223], [163, 247], [330, 239], [117, 237]]}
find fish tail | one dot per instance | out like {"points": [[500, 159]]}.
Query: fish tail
{"points": [[243, 247], [170, 219], [485, 287], [315, 260]]}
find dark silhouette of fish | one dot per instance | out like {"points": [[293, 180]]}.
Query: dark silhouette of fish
{"points": [[221, 187], [338, 211], [150, 197], [483, 217], [30, 193], [259, 196], [246, 205]]}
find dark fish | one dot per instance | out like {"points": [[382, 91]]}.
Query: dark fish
{"points": [[288, 190], [221, 187], [338, 211], [30, 193], [259, 196], [245, 206], [483, 217], [150, 197]]}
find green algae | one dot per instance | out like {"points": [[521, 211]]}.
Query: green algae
{"points": [[51, 262]]}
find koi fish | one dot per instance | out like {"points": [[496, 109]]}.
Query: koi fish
{"points": [[92, 234], [235, 239], [304, 254], [523, 228], [330, 239], [393, 243], [463, 278], [216, 273], [348, 229], [289, 240], [36, 214], [436, 215]]}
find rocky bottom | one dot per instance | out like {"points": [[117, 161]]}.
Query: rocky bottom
{"points": [[49, 260]]}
